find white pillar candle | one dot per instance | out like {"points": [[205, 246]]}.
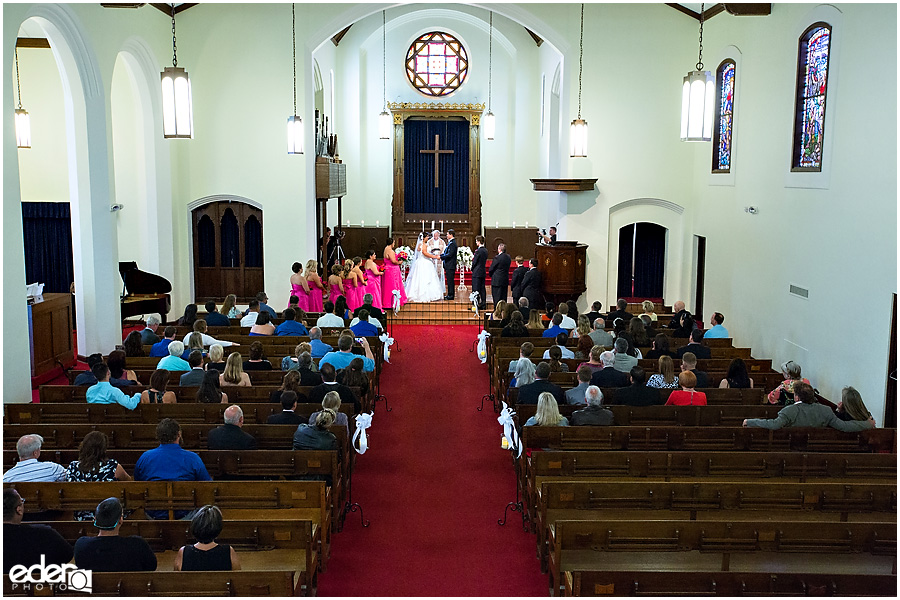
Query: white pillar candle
{"points": [[514, 224], [362, 223], [526, 224], [442, 225], [432, 225], [377, 223], [496, 224]]}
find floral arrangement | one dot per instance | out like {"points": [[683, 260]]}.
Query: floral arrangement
{"points": [[403, 255], [464, 257]]}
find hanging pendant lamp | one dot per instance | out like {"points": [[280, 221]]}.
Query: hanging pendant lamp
{"points": [[23, 121], [294, 122], [697, 98], [490, 122], [578, 130], [178, 115], [384, 119]]}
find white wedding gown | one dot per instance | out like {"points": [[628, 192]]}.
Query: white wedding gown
{"points": [[423, 283]]}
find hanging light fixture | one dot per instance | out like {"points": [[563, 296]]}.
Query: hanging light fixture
{"points": [[384, 119], [578, 130], [697, 97], [490, 122], [23, 121], [294, 122], [178, 113]]}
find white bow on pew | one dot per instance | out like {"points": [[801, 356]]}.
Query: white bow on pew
{"points": [[396, 301], [363, 422], [387, 341], [482, 345], [474, 296], [509, 429]]}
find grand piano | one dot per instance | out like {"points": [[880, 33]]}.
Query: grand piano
{"points": [[144, 293]]}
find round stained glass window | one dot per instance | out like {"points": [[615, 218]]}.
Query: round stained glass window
{"points": [[437, 64]]}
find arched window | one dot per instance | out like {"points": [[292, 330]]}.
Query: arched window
{"points": [[437, 64], [812, 85], [722, 132]]}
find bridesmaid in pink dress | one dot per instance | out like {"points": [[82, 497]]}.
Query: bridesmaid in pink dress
{"points": [[335, 283], [374, 276], [316, 288], [361, 283], [392, 279], [349, 279], [299, 286]]}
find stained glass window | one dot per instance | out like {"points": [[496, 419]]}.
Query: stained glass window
{"points": [[722, 131], [812, 83], [437, 64]]}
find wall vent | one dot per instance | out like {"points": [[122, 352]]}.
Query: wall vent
{"points": [[799, 291]]}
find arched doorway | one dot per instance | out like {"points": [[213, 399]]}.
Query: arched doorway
{"points": [[642, 261], [228, 251]]}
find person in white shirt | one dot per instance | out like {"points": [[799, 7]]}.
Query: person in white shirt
{"points": [[561, 340], [330, 319], [567, 322], [208, 340], [28, 468], [249, 320]]}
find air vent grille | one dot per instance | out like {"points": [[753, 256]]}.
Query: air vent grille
{"points": [[799, 291]]}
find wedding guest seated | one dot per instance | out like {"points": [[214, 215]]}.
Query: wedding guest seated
{"points": [[535, 320], [696, 346], [108, 551], [290, 363], [174, 362], [593, 413], [104, 393], [524, 309], [291, 325], [229, 309], [330, 384], [547, 413], [195, 375], [200, 326], [508, 310], [329, 318], [289, 383], [216, 358], [687, 395], [807, 412], [318, 347], [593, 363], [717, 330], [528, 394], [374, 312], [561, 341], [584, 347], [609, 376], [251, 314], [206, 554], [332, 401], [118, 370], [686, 325], [689, 363], [316, 436], [623, 362], [666, 378], [293, 302], [161, 348], [234, 372], [262, 298], [342, 309], [344, 355], [851, 407], [210, 391], [594, 313], [363, 328], [257, 360], [600, 336], [229, 436], [660, 347], [263, 325], [305, 366], [621, 332], [516, 327], [133, 344], [498, 314], [555, 365], [638, 394], [575, 395], [620, 312], [354, 376], [549, 311], [556, 327], [87, 377], [638, 332], [649, 307], [784, 393], [572, 311], [148, 333], [648, 327], [194, 343], [28, 468], [156, 393], [26, 544], [525, 351], [567, 323], [582, 328], [737, 376], [189, 316], [288, 414], [213, 317], [678, 308]]}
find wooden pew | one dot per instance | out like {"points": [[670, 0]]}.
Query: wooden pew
{"points": [[692, 416], [714, 396]]}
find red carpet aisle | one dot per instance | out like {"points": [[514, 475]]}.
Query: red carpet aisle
{"points": [[433, 485]]}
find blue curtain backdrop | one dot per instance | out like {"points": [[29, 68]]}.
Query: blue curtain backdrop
{"points": [[452, 195], [649, 260], [47, 228]]}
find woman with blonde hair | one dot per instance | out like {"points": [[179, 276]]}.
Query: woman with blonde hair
{"points": [[195, 342], [335, 283], [851, 406], [582, 327], [649, 307], [216, 356], [665, 379], [316, 287], [234, 372], [228, 308], [547, 413], [593, 363], [332, 401], [497, 315], [535, 320]]}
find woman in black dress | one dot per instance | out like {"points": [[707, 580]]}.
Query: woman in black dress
{"points": [[206, 554]]}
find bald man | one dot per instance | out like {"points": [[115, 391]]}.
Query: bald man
{"points": [[229, 436], [678, 308]]}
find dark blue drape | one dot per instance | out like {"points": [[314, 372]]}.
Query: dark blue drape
{"points": [[47, 228], [230, 235], [649, 260], [626, 238], [206, 240], [253, 242], [452, 195]]}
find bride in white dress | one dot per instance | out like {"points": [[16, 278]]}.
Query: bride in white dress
{"points": [[422, 283]]}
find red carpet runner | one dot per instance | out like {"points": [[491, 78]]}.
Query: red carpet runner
{"points": [[433, 484]]}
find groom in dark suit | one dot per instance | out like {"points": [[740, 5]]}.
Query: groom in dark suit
{"points": [[448, 256], [500, 274], [479, 260]]}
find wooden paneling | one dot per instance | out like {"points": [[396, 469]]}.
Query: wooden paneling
{"points": [[562, 271], [215, 282], [51, 331], [331, 180], [358, 240], [518, 240]]}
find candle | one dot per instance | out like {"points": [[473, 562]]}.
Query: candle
{"points": [[496, 224], [362, 223], [526, 224], [432, 225], [514, 224], [377, 223], [442, 225], [348, 222]]}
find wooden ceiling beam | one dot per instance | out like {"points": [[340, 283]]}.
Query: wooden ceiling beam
{"points": [[741, 9], [340, 34], [167, 8], [29, 42], [122, 4], [537, 39], [707, 14]]}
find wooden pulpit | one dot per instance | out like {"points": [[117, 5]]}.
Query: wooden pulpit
{"points": [[562, 268]]}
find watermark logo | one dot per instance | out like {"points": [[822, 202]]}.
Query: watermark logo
{"points": [[59, 577]]}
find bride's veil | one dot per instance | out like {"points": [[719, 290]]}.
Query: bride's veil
{"points": [[415, 260]]}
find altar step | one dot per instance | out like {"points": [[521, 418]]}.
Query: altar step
{"points": [[443, 312]]}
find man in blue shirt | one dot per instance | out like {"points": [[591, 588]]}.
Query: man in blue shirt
{"points": [[169, 462], [344, 355], [291, 324], [717, 330], [319, 348], [161, 348], [364, 328], [103, 392], [213, 317], [555, 329]]}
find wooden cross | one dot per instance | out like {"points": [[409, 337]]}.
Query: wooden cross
{"points": [[437, 155]]}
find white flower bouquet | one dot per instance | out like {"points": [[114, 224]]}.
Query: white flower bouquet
{"points": [[464, 257]]}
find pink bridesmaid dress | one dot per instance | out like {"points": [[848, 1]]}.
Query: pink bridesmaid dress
{"points": [[374, 287], [316, 303], [352, 295], [335, 291], [392, 281], [302, 296]]}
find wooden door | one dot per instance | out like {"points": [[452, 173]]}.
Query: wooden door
{"points": [[228, 255]]}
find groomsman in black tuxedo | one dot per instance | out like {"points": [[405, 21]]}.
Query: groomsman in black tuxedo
{"points": [[518, 278], [448, 256], [500, 274], [531, 286], [479, 260]]}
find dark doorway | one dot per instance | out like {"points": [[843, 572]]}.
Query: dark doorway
{"points": [[228, 251], [47, 230], [890, 396], [642, 261], [701, 276]]}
